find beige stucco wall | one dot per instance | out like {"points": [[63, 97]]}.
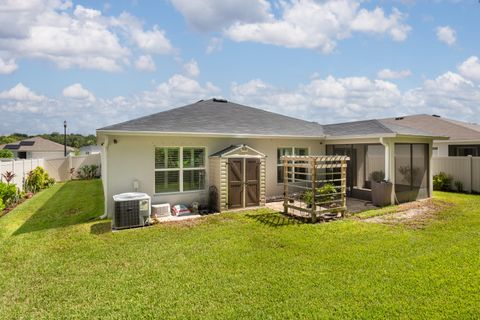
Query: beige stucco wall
{"points": [[442, 146], [132, 158]]}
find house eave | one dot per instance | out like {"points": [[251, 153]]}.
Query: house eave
{"points": [[473, 141], [205, 134], [386, 135]]}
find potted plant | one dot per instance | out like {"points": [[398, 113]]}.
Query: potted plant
{"points": [[381, 189]]}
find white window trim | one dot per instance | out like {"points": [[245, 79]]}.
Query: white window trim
{"points": [[180, 169], [293, 153]]}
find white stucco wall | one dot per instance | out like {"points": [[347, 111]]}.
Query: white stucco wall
{"points": [[132, 158], [442, 146]]}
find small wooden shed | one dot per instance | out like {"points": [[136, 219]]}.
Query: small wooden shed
{"points": [[238, 173]]}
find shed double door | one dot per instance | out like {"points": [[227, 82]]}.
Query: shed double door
{"points": [[243, 182]]}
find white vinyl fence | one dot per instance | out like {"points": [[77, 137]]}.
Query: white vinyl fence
{"points": [[463, 169], [20, 168], [59, 168]]}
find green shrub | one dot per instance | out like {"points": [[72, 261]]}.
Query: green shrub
{"points": [[2, 206], [4, 153], [458, 185], [37, 180], [377, 176], [308, 198], [326, 191], [8, 193], [88, 172], [442, 181]]}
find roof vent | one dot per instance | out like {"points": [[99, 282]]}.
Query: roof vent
{"points": [[399, 118], [220, 100], [436, 116]]}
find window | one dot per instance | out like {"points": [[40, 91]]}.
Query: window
{"points": [[411, 171], [374, 163], [179, 169], [290, 151], [463, 150]]}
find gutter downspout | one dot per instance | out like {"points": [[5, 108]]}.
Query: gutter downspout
{"points": [[387, 159], [388, 162], [105, 178]]}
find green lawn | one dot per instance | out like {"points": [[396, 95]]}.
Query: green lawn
{"points": [[57, 261]]}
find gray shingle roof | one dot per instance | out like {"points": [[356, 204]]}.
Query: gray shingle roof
{"points": [[456, 130], [221, 117], [35, 144], [369, 127], [216, 117]]}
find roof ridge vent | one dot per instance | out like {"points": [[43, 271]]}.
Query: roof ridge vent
{"points": [[220, 100], [436, 116], [399, 118]]}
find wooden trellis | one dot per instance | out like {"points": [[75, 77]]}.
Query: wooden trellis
{"points": [[315, 187]]}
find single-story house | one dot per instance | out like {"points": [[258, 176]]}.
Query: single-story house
{"points": [[36, 148], [90, 149], [175, 156], [464, 137]]}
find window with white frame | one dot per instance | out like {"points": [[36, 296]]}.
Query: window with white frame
{"points": [[179, 169], [288, 151]]}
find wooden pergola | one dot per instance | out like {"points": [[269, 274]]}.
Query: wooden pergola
{"points": [[315, 187]]}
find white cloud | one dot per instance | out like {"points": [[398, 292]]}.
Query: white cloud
{"points": [[21, 93], [210, 15], [84, 37], [151, 41], [215, 44], [191, 69], [21, 105], [145, 63], [76, 91], [331, 99], [319, 25], [470, 68], [393, 74], [447, 34], [377, 22], [7, 66], [324, 99]]}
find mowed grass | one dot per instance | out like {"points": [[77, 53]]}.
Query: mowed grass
{"points": [[57, 261]]}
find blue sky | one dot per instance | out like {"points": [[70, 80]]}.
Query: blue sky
{"points": [[96, 63]]}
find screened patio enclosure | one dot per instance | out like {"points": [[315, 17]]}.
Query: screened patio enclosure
{"points": [[406, 165]]}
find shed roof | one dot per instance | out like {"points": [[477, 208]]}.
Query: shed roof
{"points": [[218, 116]]}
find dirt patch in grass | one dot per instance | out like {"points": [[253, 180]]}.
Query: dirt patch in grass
{"points": [[415, 214]]}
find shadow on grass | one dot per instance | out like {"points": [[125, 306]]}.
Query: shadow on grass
{"points": [[72, 203], [274, 219], [101, 228]]}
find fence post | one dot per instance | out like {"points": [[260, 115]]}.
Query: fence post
{"points": [[470, 171], [314, 189], [285, 186]]}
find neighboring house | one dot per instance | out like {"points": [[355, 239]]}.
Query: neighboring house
{"points": [[176, 155], [36, 148], [464, 137], [91, 149]]}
